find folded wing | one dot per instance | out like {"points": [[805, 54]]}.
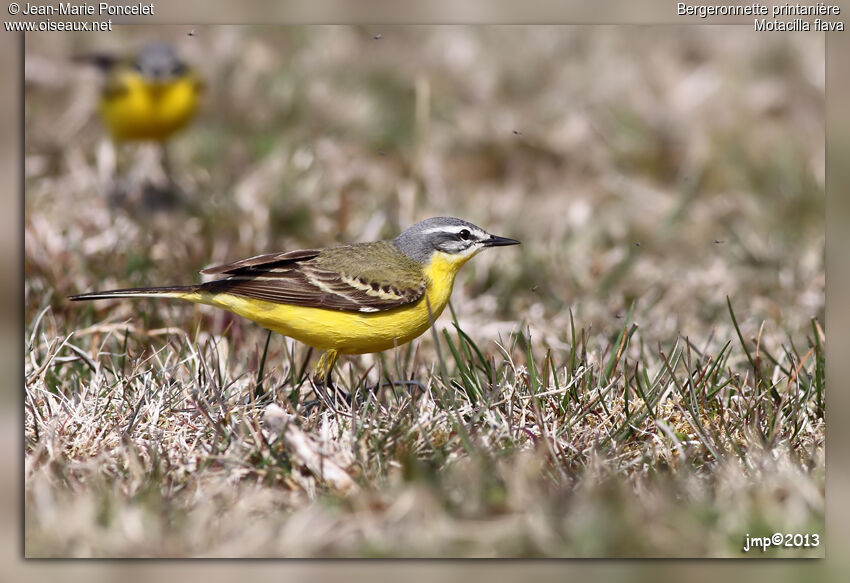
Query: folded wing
{"points": [[318, 279]]}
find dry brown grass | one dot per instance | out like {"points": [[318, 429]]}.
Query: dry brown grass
{"points": [[616, 408]]}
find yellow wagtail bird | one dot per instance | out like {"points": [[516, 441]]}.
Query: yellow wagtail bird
{"points": [[149, 97], [349, 299]]}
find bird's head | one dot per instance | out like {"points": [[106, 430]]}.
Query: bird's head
{"points": [[158, 62], [454, 240]]}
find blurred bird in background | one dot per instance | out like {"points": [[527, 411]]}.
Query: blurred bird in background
{"points": [[147, 97]]}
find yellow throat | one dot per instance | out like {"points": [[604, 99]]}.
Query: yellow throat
{"points": [[144, 110]]}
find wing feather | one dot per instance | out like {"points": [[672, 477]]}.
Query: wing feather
{"points": [[324, 279], [263, 262]]}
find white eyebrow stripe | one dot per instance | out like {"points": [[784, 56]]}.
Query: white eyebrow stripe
{"points": [[454, 229]]}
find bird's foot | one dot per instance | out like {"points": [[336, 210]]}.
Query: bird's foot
{"points": [[386, 390], [146, 198], [337, 399], [331, 396]]}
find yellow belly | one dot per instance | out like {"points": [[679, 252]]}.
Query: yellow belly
{"points": [[348, 332], [148, 111]]}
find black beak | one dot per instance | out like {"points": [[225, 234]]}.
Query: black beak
{"points": [[496, 241]]}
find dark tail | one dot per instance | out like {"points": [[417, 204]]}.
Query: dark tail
{"points": [[173, 291], [101, 61]]}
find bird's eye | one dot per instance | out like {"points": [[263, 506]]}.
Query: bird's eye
{"points": [[465, 235]]}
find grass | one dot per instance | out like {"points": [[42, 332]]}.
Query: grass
{"points": [[506, 452], [643, 376]]}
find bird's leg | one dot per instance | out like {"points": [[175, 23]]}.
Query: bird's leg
{"points": [[322, 371], [162, 192], [392, 384], [165, 161], [321, 376]]}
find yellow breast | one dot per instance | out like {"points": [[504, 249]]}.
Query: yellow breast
{"points": [[142, 110], [350, 332]]}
